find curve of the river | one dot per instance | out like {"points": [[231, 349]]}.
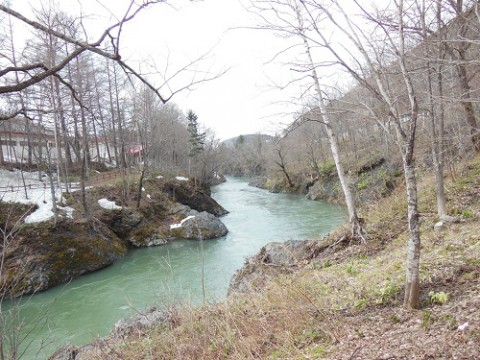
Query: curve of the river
{"points": [[90, 305]]}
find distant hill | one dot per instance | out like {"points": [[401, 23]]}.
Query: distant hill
{"points": [[247, 139]]}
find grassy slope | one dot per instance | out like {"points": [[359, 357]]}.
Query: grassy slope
{"points": [[345, 304]]}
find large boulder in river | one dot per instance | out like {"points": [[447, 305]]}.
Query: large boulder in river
{"points": [[187, 194], [42, 256], [198, 226]]}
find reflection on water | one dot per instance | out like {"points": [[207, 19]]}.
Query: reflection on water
{"points": [[90, 305]]}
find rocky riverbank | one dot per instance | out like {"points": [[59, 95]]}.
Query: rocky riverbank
{"points": [[370, 181], [42, 255], [334, 298]]}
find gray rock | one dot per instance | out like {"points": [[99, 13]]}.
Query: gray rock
{"points": [[196, 198], [68, 352], [121, 221], [273, 259], [440, 227], [200, 226], [139, 321], [286, 253], [148, 241], [447, 219]]}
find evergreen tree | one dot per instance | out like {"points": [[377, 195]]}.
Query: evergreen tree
{"points": [[197, 138]]}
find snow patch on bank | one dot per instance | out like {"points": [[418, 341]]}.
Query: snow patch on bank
{"points": [[109, 205], [37, 193], [179, 225]]}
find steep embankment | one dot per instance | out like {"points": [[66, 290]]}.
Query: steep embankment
{"points": [[336, 298], [39, 256], [371, 180]]}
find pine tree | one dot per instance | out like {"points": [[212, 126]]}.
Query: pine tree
{"points": [[197, 139]]}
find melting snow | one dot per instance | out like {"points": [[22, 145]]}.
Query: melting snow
{"points": [[109, 205], [179, 225], [38, 192], [68, 211], [181, 178]]}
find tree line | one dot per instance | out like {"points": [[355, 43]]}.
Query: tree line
{"points": [[99, 109]]}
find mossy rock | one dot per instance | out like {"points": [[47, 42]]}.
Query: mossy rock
{"points": [[39, 259], [149, 235]]}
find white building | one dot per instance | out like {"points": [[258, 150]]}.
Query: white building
{"points": [[21, 139]]}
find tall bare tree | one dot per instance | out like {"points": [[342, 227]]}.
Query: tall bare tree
{"points": [[290, 20], [396, 92]]}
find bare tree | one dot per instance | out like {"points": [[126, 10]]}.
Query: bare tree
{"points": [[291, 22], [280, 159], [403, 111], [434, 51]]}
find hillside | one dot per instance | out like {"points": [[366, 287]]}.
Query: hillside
{"points": [[246, 139], [341, 300]]}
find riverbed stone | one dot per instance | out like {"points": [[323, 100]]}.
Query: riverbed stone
{"points": [[193, 196], [273, 259], [68, 352], [197, 226], [140, 321], [121, 221]]}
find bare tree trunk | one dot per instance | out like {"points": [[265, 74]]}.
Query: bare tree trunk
{"points": [[357, 229], [123, 157], [51, 53], [441, 201], [102, 119], [412, 286], [76, 140], [435, 129], [68, 154], [437, 157], [49, 172], [283, 166], [112, 114], [440, 158], [140, 185], [2, 160], [467, 103], [84, 147]]}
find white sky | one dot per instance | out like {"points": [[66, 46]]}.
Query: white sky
{"points": [[242, 101]]}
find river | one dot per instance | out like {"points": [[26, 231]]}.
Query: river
{"points": [[90, 305]]}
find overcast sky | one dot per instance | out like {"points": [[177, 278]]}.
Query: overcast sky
{"points": [[246, 99]]}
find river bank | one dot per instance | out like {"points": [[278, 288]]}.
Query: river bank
{"points": [[345, 302], [370, 179], [172, 273], [41, 255]]}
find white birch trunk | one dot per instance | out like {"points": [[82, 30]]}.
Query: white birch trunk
{"points": [[334, 147]]}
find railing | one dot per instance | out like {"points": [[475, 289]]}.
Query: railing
{"points": [[12, 188], [93, 180]]}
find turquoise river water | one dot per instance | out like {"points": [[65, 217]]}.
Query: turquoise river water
{"points": [[89, 306]]}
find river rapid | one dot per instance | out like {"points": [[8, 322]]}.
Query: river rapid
{"points": [[90, 305]]}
